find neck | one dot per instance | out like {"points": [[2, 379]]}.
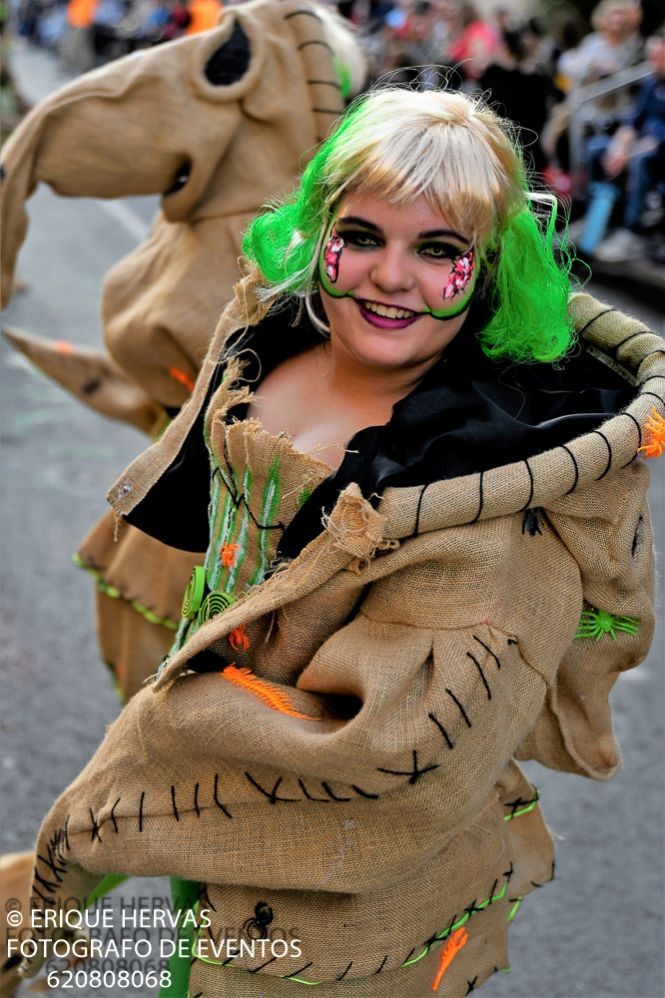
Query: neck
{"points": [[379, 387]]}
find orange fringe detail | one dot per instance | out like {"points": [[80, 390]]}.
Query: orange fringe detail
{"points": [[238, 638], [271, 695], [229, 553], [63, 346], [453, 945], [655, 427], [184, 379]]}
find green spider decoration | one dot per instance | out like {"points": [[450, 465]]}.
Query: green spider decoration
{"points": [[595, 623]]}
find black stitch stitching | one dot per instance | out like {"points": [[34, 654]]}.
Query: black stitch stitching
{"points": [[424, 489], [328, 110], [627, 339], [410, 953], [471, 985], [325, 83], [94, 831], [228, 961], [651, 353], [413, 774], [344, 972], [531, 487], [482, 674], [141, 803], [653, 377], [320, 800], [480, 499], [489, 650], [196, 801], [574, 460], [450, 927], [461, 708], [272, 796], [632, 460], [609, 451], [173, 802], [48, 885], [636, 535], [35, 890], [364, 793], [534, 884], [65, 831], [653, 394], [342, 800], [296, 972], [472, 909], [51, 864], [381, 965], [509, 872], [636, 422], [257, 969], [217, 800], [448, 740], [494, 886], [584, 328]]}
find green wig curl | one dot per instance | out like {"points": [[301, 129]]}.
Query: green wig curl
{"points": [[386, 144]]}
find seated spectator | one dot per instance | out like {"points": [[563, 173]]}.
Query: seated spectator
{"points": [[633, 159], [613, 46]]}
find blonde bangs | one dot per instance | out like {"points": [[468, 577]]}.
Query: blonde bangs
{"points": [[471, 175]]}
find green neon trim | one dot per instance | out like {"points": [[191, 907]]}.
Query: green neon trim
{"points": [[442, 315], [511, 914], [228, 529], [300, 980], [526, 809], [226, 523], [193, 597], [243, 531], [104, 587], [269, 506], [213, 507]]}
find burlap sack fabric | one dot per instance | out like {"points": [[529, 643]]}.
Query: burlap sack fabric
{"points": [[217, 124], [381, 831]]}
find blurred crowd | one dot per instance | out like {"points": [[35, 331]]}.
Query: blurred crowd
{"points": [[587, 94]]}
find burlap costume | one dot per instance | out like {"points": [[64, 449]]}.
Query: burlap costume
{"points": [[360, 781], [216, 123]]}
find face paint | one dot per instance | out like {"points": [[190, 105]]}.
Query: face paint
{"points": [[460, 276], [331, 256]]}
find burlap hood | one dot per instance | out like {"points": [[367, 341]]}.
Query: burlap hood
{"points": [[399, 663]]}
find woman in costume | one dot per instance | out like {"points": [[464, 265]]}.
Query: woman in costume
{"points": [[428, 554]]}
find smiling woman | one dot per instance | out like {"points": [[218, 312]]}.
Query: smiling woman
{"points": [[416, 501]]}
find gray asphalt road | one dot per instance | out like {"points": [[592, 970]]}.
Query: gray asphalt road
{"points": [[596, 932]]}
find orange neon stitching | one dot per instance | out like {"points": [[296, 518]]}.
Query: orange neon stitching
{"points": [[270, 694], [184, 379], [229, 553], [453, 945], [655, 427], [63, 346], [238, 638]]}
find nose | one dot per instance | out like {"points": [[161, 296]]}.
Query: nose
{"points": [[392, 271]]}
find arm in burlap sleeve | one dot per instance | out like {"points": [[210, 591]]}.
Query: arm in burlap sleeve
{"points": [[209, 780], [607, 529]]}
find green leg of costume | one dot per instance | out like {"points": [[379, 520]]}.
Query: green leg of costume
{"points": [[185, 894]]}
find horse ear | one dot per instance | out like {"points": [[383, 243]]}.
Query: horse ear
{"points": [[230, 62]]}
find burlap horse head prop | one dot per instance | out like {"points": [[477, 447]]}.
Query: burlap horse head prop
{"points": [[217, 124]]}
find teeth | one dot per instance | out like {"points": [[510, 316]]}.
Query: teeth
{"points": [[388, 311]]}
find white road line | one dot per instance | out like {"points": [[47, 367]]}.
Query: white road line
{"points": [[126, 217]]}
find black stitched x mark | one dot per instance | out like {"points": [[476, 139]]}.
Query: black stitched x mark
{"points": [[272, 795], [414, 774], [471, 985], [94, 831]]}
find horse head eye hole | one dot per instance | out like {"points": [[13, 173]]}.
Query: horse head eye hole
{"points": [[181, 178], [230, 61]]}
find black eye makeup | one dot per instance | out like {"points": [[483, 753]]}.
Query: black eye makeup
{"points": [[359, 233]]}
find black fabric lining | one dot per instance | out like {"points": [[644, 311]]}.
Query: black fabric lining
{"points": [[468, 415], [230, 61]]}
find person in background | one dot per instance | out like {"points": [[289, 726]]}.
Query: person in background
{"points": [[473, 41], [635, 158]]}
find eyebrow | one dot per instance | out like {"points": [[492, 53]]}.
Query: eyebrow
{"points": [[429, 234]]}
